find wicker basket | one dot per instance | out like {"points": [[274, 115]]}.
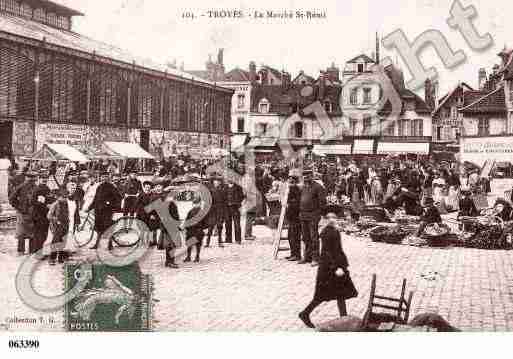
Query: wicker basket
{"points": [[386, 235]]}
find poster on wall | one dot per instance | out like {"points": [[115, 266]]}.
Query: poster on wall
{"points": [[73, 135], [79, 136], [23, 138]]}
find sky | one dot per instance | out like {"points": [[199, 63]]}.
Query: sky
{"points": [[157, 29]]}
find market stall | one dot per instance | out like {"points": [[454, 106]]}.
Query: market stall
{"points": [[127, 152], [51, 152]]}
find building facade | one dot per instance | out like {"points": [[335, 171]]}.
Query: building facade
{"points": [[57, 86]]}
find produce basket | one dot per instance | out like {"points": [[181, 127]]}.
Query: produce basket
{"points": [[436, 235], [392, 235]]}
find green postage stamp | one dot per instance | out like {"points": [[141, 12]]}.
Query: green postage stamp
{"points": [[116, 299]]}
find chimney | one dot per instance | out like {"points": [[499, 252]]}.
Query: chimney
{"points": [[333, 73], [482, 78], [436, 88], [252, 72], [220, 57], [429, 94], [263, 76], [182, 66], [377, 49], [285, 79], [322, 86]]}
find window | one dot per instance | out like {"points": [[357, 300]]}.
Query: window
{"points": [[241, 99], [263, 106], [483, 128], [360, 68], [328, 106], [388, 128], [353, 125], [367, 95], [298, 130], [367, 126], [403, 127], [240, 124], [26, 11], [39, 15], [454, 113], [353, 98], [417, 128], [261, 129]]}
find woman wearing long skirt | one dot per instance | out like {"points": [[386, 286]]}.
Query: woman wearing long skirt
{"points": [[333, 281]]}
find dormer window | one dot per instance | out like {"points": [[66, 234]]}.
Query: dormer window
{"points": [[241, 99], [360, 68], [328, 106], [263, 106], [298, 130]]}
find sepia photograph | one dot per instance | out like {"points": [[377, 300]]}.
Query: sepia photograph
{"points": [[270, 167]]}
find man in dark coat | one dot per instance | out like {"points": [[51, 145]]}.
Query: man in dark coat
{"points": [[217, 211], [106, 200], [171, 240], [41, 200], [21, 200], [313, 202], [233, 197], [292, 217]]}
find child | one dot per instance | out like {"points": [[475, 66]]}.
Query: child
{"points": [[195, 232]]}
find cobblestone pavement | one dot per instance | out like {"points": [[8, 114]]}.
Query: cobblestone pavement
{"points": [[242, 288]]}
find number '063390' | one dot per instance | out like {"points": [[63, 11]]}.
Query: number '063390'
{"points": [[24, 344]]}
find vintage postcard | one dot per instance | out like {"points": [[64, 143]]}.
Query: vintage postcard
{"points": [[249, 167]]}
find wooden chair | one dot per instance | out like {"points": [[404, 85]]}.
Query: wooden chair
{"points": [[398, 308]]}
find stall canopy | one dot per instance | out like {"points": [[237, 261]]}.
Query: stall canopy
{"points": [[59, 152], [322, 150], [238, 141], [363, 147], [99, 154], [385, 148], [262, 144], [127, 150]]}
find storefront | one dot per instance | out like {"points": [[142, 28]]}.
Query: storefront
{"points": [[403, 148], [363, 147], [478, 150]]}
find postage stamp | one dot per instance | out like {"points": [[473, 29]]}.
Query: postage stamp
{"points": [[116, 299]]}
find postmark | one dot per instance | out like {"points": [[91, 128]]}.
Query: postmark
{"points": [[116, 299]]}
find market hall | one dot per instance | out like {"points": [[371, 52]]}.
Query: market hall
{"points": [[58, 86]]}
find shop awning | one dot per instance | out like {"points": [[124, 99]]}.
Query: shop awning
{"points": [[99, 154], [127, 150], [237, 142], [385, 148], [322, 150], [58, 152], [262, 142], [363, 147]]}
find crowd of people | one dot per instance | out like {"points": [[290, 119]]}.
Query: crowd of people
{"points": [[320, 188]]}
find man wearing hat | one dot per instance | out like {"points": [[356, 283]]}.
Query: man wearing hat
{"points": [[234, 195], [218, 209], [40, 204], [292, 216], [21, 200], [132, 190], [106, 200], [313, 202]]}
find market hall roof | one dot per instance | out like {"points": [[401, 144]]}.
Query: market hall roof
{"points": [[52, 5], [18, 29]]}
